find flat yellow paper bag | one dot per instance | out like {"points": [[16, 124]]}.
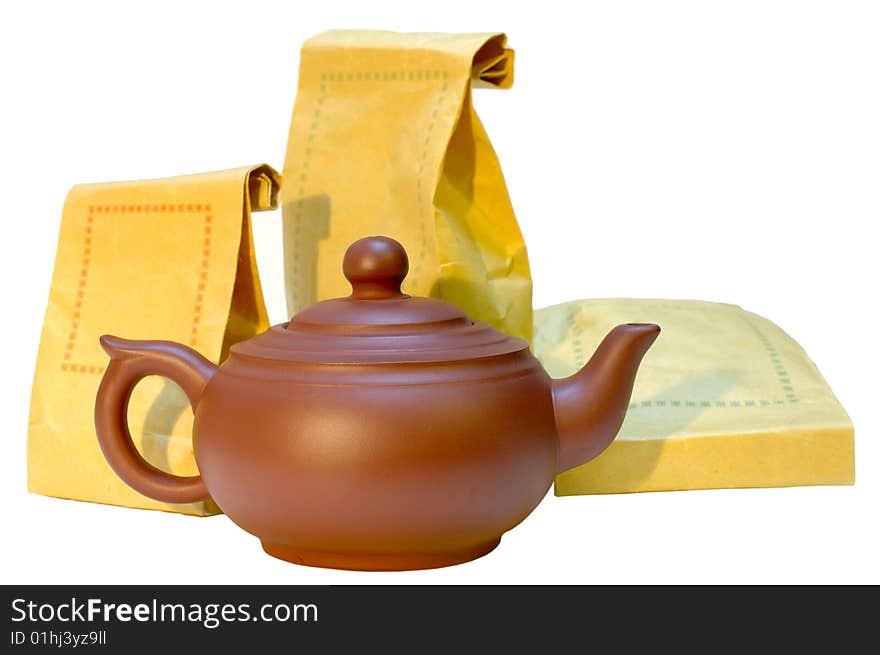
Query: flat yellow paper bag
{"points": [[158, 259], [385, 140], [724, 398]]}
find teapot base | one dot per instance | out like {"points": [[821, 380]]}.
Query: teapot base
{"points": [[378, 561]]}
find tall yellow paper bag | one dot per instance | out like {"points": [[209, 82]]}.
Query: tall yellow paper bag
{"points": [[158, 259], [385, 140]]}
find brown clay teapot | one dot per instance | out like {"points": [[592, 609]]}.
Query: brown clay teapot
{"points": [[378, 431]]}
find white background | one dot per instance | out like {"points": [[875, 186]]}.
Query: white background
{"points": [[724, 151]]}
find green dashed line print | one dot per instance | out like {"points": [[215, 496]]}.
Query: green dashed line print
{"points": [[782, 375], [421, 181]]}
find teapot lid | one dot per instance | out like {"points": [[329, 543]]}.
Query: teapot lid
{"points": [[378, 323]]}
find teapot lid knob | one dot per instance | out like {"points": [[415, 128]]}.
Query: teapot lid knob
{"points": [[375, 266]]}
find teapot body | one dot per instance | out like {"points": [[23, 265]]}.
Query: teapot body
{"points": [[377, 466], [379, 431]]}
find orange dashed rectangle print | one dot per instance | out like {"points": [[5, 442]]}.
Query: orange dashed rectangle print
{"points": [[71, 367]]}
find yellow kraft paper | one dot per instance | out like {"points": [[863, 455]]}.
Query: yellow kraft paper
{"points": [[385, 140], [158, 259], [724, 398]]}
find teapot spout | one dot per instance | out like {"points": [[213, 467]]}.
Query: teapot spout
{"points": [[591, 404]]}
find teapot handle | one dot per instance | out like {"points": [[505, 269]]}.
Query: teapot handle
{"points": [[130, 362]]}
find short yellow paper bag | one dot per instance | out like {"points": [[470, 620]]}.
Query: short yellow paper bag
{"points": [[159, 259], [723, 399], [385, 140]]}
